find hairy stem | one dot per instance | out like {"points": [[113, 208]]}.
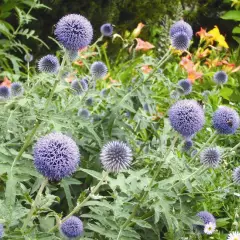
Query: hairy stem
{"points": [[34, 204], [79, 206], [136, 207]]}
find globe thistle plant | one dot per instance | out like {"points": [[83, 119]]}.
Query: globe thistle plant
{"points": [[220, 77], [225, 120], [116, 156], [4, 93], [185, 86], [79, 86], [210, 228], [106, 29], [210, 157], [98, 70], [17, 89], [236, 175], [56, 156], [74, 31], [186, 117], [234, 236], [1, 230], [48, 64], [180, 41], [181, 26], [72, 228]]}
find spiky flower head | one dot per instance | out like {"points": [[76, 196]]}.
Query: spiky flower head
{"points": [[89, 101], [186, 117], [236, 175], [234, 236], [56, 156], [28, 57], [98, 70], [186, 86], [17, 89], [1, 230], [225, 120], [48, 64], [106, 29], [210, 228], [116, 156], [74, 31], [72, 227], [180, 41], [220, 77], [79, 86], [4, 93], [83, 113], [206, 217], [210, 157], [181, 26], [187, 145]]}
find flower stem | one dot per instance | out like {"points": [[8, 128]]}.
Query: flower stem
{"points": [[34, 204], [136, 207], [79, 206]]}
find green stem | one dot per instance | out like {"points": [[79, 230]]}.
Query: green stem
{"points": [[136, 207], [34, 205], [106, 58], [79, 206], [204, 145], [37, 123], [28, 73]]}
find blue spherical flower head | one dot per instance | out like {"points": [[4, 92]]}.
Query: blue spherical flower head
{"points": [[225, 120], [186, 86], [181, 26], [56, 156], [186, 117], [74, 32], [206, 218], [106, 29], [79, 86], [89, 101], [72, 228], [1, 230], [98, 70], [220, 77], [236, 175], [4, 93], [187, 145], [17, 89], [180, 41], [48, 64], [210, 157], [116, 156]]}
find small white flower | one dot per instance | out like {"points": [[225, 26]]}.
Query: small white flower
{"points": [[209, 228], [234, 236]]}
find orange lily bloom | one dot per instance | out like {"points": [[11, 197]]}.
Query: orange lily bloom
{"points": [[136, 32], [203, 34], [142, 45], [146, 69]]}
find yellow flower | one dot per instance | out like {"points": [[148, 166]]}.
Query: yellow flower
{"points": [[218, 37]]}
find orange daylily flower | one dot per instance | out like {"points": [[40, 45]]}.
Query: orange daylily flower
{"points": [[146, 69], [142, 45], [136, 32], [6, 82], [202, 53], [194, 75], [203, 33], [186, 63]]}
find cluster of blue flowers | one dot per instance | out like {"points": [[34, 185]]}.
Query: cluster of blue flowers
{"points": [[15, 90]]}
